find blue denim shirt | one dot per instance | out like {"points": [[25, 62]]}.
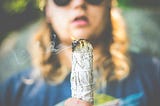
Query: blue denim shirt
{"points": [[140, 88]]}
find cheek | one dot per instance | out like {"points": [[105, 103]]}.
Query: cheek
{"points": [[60, 24], [99, 19]]}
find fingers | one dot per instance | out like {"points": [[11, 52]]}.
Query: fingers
{"points": [[76, 102]]}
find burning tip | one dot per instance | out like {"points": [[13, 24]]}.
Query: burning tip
{"points": [[81, 44]]}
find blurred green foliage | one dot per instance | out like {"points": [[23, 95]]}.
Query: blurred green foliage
{"points": [[139, 3], [17, 6], [15, 14]]}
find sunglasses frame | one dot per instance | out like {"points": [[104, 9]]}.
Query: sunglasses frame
{"points": [[66, 2]]}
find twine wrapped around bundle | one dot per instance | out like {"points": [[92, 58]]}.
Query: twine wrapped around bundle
{"points": [[82, 68]]}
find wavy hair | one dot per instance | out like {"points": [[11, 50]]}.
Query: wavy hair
{"points": [[115, 67]]}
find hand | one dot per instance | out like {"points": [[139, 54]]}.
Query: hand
{"points": [[76, 102]]}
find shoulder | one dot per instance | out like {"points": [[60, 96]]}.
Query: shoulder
{"points": [[27, 85], [144, 59], [147, 66], [15, 86], [17, 77], [13, 83], [145, 78]]}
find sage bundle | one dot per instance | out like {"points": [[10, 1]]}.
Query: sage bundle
{"points": [[82, 86]]}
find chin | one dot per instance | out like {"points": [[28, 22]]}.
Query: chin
{"points": [[81, 34]]}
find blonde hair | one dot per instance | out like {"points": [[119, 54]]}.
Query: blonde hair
{"points": [[119, 47], [52, 69]]}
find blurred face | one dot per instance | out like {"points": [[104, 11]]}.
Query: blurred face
{"points": [[78, 19]]}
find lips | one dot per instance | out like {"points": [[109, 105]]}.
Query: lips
{"points": [[81, 18], [80, 21]]}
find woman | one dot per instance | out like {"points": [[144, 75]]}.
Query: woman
{"points": [[127, 77]]}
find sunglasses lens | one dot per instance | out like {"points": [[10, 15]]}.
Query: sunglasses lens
{"points": [[94, 2], [61, 2]]}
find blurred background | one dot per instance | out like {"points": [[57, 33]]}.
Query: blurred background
{"points": [[20, 18]]}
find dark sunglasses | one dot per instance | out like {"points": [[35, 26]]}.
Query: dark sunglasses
{"points": [[66, 2]]}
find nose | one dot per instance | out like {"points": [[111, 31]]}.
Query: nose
{"points": [[79, 4]]}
